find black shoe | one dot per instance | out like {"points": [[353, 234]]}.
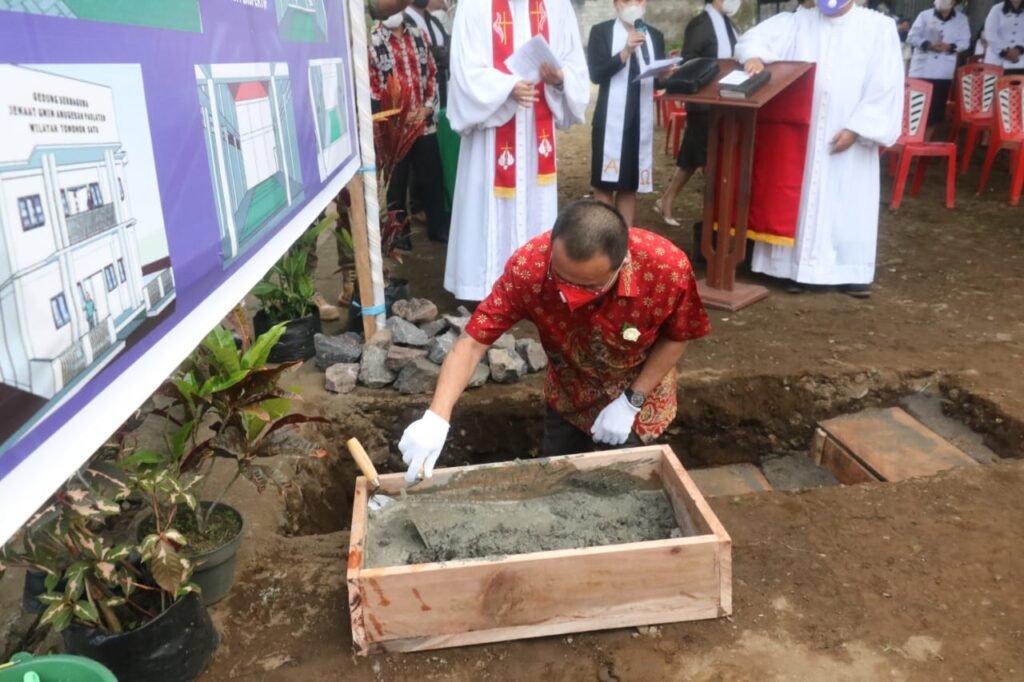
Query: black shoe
{"points": [[793, 287], [404, 243], [856, 290]]}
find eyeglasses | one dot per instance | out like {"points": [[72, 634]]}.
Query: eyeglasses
{"points": [[598, 289]]}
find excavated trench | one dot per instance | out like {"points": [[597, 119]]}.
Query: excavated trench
{"points": [[721, 421]]}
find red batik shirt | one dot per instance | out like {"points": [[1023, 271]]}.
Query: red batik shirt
{"points": [[591, 362], [408, 58]]}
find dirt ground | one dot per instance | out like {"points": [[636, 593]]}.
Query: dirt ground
{"points": [[918, 580]]}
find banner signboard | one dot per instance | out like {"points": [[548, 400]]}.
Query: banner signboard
{"points": [[156, 158]]}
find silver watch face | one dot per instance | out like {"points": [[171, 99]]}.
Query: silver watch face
{"points": [[636, 399]]}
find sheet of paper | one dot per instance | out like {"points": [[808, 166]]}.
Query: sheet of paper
{"points": [[657, 66], [527, 60], [737, 77]]}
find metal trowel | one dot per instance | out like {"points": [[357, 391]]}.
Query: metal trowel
{"points": [[377, 502]]}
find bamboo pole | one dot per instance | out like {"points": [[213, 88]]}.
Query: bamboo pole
{"points": [[365, 206]]}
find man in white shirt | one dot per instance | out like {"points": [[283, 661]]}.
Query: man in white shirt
{"points": [[857, 109], [938, 36], [506, 191], [1004, 31]]}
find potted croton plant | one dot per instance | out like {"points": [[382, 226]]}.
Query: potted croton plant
{"points": [[285, 295], [227, 403], [130, 605]]}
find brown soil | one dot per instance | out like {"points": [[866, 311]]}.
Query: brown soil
{"points": [[908, 581]]}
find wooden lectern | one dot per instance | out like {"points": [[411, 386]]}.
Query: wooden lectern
{"points": [[729, 186]]}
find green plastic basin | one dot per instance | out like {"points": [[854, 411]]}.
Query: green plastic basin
{"points": [[54, 669]]}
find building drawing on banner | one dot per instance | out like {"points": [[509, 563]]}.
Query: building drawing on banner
{"points": [[251, 144], [328, 89], [74, 284], [302, 20], [177, 15]]}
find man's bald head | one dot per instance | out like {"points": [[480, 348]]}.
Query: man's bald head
{"points": [[588, 229]]}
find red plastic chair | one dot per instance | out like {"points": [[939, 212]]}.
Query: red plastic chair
{"points": [[918, 98], [1007, 133], [659, 107], [675, 121], [975, 86]]}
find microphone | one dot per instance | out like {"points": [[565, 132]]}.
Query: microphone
{"points": [[640, 26]]}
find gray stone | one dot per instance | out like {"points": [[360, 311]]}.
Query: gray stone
{"points": [[506, 366], [533, 353], [505, 341], [400, 356], [406, 333], [419, 376], [434, 328], [456, 322], [480, 376], [332, 350], [463, 311], [381, 339], [373, 371], [416, 310], [440, 346], [342, 377]]}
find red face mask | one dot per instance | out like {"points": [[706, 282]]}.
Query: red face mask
{"points": [[576, 296]]}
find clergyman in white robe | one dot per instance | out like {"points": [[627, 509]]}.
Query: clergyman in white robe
{"points": [[486, 229], [858, 87]]}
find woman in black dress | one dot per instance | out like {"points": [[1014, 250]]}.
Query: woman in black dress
{"points": [[623, 127], [709, 34]]}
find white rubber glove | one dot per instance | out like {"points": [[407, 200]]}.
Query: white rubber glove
{"points": [[615, 422], [421, 444]]}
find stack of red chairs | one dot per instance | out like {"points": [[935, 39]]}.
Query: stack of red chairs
{"points": [[1008, 134], [675, 121], [975, 87], [918, 99]]}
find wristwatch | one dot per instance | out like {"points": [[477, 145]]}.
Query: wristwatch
{"points": [[635, 398]]}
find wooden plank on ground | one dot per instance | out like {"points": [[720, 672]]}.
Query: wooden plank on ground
{"points": [[890, 444], [734, 479]]}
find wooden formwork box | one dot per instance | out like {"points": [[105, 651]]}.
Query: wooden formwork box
{"points": [[456, 603]]}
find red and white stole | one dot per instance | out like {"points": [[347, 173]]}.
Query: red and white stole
{"points": [[503, 45]]}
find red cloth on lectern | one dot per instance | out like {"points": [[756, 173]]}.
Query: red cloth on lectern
{"points": [[780, 152]]}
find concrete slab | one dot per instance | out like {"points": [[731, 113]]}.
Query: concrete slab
{"points": [[796, 472], [927, 409], [734, 479]]}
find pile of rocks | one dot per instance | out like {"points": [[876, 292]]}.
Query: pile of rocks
{"points": [[408, 353]]}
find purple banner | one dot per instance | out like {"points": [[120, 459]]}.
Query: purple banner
{"points": [[156, 158]]}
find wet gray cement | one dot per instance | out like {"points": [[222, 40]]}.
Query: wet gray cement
{"points": [[584, 511]]}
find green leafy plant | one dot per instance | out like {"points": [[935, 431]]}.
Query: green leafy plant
{"points": [[285, 291], [92, 579], [226, 402]]}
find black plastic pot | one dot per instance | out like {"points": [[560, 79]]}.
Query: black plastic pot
{"points": [[34, 586], [297, 341], [173, 647], [214, 571], [396, 290]]}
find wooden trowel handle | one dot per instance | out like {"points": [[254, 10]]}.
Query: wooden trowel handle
{"points": [[363, 461]]}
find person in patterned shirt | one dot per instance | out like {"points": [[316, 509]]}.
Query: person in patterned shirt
{"points": [[614, 308], [399, 49]]}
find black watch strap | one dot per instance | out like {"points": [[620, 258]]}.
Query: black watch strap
{"points": [[635, 398]]}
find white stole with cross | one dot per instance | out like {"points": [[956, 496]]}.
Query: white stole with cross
{"points": [[615, 116]]}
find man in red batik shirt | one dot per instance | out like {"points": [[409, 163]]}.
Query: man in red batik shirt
{"points": [[615, 308]]}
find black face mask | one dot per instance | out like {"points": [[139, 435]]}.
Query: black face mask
{"points": [[421, 4], [903, 36]]}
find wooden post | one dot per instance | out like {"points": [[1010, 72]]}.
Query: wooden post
{"points": [[361, 247]]}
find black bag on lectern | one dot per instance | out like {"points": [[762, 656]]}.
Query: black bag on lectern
{"points": [[692, 76]]}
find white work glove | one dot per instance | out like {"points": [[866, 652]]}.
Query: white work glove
{"points": [[615, 422], [421, 444]]}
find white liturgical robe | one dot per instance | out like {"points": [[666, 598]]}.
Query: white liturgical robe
{"points": [[858, 86], [486, 229]]}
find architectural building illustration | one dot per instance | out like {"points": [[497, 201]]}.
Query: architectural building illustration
{"points": [[249, 118], [178, 15], [302, 20], [73, 287], [328, 88]]}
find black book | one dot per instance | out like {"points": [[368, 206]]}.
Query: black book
{"points": [[745, 87]]}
